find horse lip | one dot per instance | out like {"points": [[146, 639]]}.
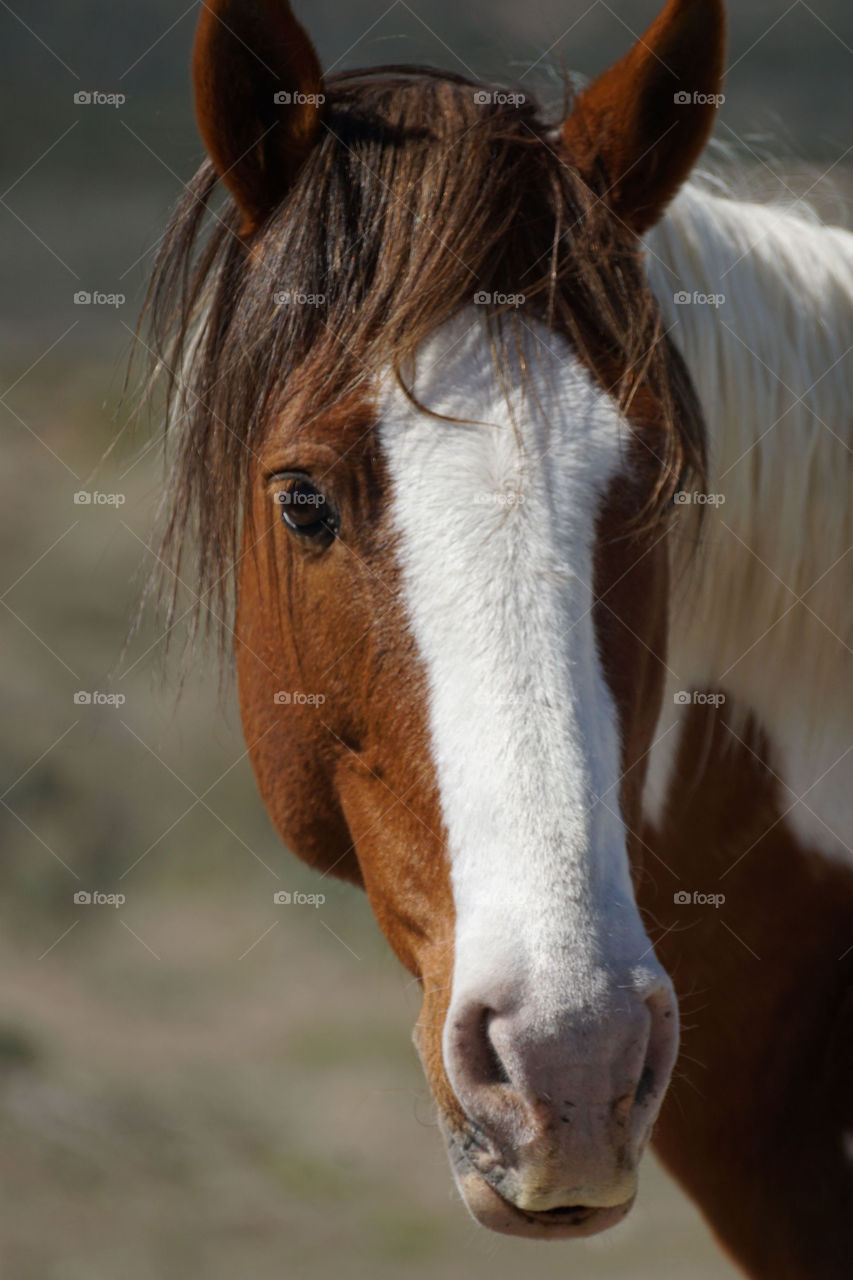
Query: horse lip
{"points": [[494, 1211]]}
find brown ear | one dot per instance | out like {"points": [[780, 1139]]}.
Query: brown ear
{"points": [[640, 127], [258, 96]]}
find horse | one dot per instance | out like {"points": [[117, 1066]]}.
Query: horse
{"points": [[522, 456]]}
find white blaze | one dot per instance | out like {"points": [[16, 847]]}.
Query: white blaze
{"points": [[496, 519]]}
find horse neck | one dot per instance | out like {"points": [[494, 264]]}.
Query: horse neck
{"points": [[759, 607]]}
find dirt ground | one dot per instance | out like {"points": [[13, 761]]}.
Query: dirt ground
{"points": [[201, 1114]]}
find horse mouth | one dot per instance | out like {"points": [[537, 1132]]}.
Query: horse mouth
{"points": [[492, 1210], [569, 1222]]}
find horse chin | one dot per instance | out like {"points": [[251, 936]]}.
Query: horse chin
{"points": [[492, 1210]]}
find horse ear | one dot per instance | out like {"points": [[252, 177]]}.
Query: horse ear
{"points": [[258, 93], [640, 127]]}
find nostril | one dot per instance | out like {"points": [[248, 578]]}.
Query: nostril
{"points": [[495, 1069], [645, 1087], [661, 1047], [513, 1072], [475, 1055]]}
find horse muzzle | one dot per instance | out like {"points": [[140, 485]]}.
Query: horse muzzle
{"points": [[551, 1109], [491, 1209]]}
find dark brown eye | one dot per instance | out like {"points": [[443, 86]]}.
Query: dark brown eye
{"points": [[305, 510]]}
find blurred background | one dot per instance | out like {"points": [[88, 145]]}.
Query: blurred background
{"points": [[197, 1081]]}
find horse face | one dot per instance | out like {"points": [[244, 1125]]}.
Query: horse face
{"points": [[450, 638], [454, 710]]}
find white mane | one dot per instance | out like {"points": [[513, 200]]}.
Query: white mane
{"points": [[764, 612]]}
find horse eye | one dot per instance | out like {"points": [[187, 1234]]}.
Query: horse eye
{"points": [[306, 511]]}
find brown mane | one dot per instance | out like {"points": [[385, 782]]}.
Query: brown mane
{"points": [[415, 198]]}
